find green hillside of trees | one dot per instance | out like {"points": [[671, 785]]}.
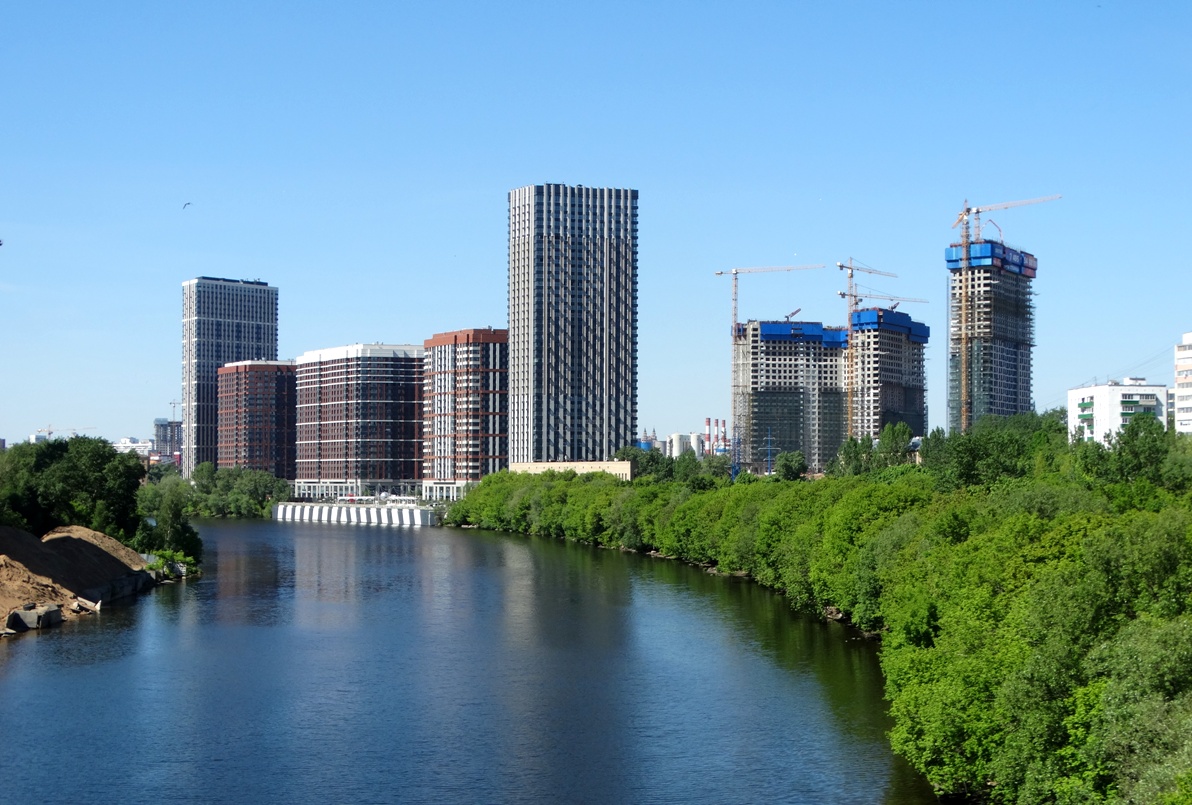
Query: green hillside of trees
{"points": [[1033, 597]]}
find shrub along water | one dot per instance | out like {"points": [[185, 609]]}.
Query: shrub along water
{"points": [[1033, 597]]}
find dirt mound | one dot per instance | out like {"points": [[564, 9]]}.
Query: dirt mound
{"points": [[54, 569]]}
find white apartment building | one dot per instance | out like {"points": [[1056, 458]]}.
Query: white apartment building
{"points": [[1183, 385], [1098, 412]]}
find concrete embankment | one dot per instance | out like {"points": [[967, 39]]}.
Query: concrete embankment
{"points": [[354, 514]]}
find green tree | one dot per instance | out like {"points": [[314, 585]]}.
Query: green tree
{"points": [[893, 446], [1139, 450], [790, 466]]}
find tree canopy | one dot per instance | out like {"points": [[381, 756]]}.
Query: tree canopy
{"points": [[1033, 597]]}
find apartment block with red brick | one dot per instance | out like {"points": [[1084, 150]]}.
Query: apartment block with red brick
{"points": [[465, 403], [359, 421], [256, 422]]}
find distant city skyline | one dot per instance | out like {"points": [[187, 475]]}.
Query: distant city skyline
{"points": [[359, 158]]}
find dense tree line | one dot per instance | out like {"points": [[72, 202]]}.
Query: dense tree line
{"points": [[1033, 596], [84, 481]]}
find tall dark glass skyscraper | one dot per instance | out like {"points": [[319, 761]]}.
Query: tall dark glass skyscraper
{"points": [[572, 322], [223, 321]]}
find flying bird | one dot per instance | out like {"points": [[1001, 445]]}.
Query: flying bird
{"points": [[187, 204]]}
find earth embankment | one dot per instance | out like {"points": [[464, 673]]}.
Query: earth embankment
{"points": [[58, 567]]}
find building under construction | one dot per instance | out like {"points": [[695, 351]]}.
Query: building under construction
{"points": [[789, 377], [991, 331], [886, 375], [796, 381]]}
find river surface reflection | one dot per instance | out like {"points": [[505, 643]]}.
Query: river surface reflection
{"points": [[326, 663]]}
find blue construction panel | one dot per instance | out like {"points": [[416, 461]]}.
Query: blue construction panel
{"points": [[836, 338], [981, 250], [953, 253], [891, 321], [791, 331]]}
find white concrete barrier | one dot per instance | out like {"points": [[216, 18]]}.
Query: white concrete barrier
{"points": [[353, 514]]}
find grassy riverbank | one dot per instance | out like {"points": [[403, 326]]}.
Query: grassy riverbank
{"points": [[1033, 598]]}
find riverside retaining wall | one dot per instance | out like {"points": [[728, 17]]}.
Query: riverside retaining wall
{"points": [[353, 514]]}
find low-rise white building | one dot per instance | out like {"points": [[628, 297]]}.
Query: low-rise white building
{"points": [[1182, 404], [1097, 412]]}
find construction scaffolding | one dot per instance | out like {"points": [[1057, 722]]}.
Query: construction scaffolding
{"points": [[991, 331], [793, 393]]}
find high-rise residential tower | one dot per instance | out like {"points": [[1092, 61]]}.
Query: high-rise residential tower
{"points": [[223, 321], [256, 417], [359, 420], [167, 438], [991, 331], [793, 393], [886, 354], [465, 403], [572, 322]]}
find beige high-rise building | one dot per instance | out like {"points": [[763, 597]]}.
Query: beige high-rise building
{"points": [[572, 322]]}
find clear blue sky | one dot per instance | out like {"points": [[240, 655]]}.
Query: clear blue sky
{"points": [[358, 156]]}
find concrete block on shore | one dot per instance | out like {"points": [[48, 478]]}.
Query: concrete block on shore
{"points": [[43, 617]]}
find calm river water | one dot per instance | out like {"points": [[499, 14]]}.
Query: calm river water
{"points": [[323, 663]]}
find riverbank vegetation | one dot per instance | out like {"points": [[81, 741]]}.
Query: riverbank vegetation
{"points": [[232, 492], [83, 481], [1033, 597]]}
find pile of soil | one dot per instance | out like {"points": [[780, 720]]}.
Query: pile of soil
{"points": [[55, 568]]}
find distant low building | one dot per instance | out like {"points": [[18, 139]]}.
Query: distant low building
{"points": [[621, 469], [128, 444], [1098, 412]]}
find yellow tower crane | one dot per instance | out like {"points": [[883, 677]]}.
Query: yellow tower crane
{"points": [[965, 284]]}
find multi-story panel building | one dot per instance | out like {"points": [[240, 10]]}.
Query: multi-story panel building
{"points": [[223, 321], [990, 331], [572, 322], [465, 403], [794, 399], [359, 420], [886, 376], [257, 410], [1182, 404], [1099, 412], [167, 438]]}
